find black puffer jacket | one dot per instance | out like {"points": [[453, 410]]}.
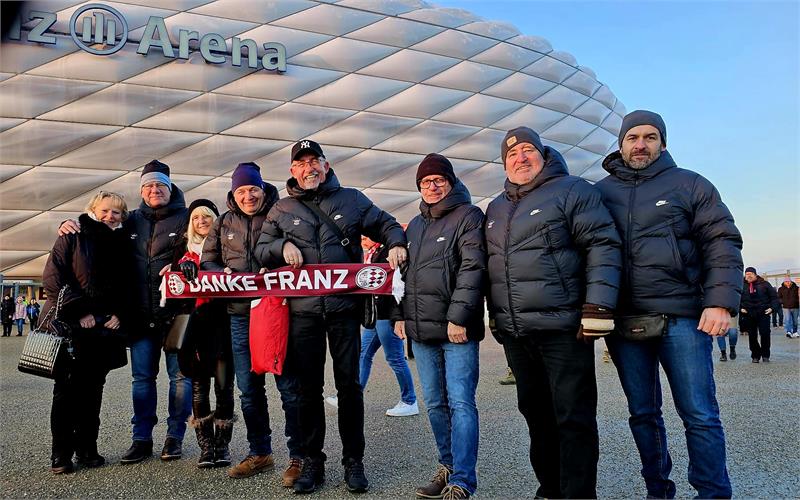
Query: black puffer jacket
{"points": [[154, 234], [93, 264], [354, 213], [788, 296], [552, 248], [682, 250], [232, 241], [759, 297], [446, 271]]}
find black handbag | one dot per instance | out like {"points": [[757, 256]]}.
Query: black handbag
{"points": [[641, 327], [48, 349], [370, 312], [173, 342]]}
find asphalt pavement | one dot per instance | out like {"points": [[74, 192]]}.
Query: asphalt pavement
{"points": [[760, 405]]}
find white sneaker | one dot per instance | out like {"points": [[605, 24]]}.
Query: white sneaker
{"points": [[796, 335], [333, 401], [403, 410]]}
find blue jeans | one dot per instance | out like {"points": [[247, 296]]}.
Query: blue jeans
{"points": [[371, 341], [449, 376], [254, 396], [20, 325], [145, 358], [732, 336], [685, 354], [790, 319]]}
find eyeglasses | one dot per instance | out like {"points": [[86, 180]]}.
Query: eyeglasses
{"points": [[153, 185], [438, 182], [313, 162]]}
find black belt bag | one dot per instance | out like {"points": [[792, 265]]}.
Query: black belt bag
{"points": [[641, 327]]}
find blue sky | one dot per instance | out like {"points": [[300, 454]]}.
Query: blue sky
{"points": [[723, 74]]}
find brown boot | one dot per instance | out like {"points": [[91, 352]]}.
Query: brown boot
{"points": [[292, 472], [251, 466], [437, 484]]}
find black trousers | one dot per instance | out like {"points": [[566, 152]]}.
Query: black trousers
{"points": [[307, 344], [777, 316], [34, 322], [7, 326], [757, 324], [557, 395], [75, 414], [223, 390]]}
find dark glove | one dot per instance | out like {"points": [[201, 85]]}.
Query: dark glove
{"points": [[189, 270], [596, 321]]}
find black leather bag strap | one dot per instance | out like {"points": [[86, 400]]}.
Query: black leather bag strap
{"points": [[325, 219]]}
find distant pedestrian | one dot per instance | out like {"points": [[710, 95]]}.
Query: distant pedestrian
{"points": [[777, 317], [733, 337], [789, 297], [7, 312], [20, 314], [33, 313], [758, 301]]}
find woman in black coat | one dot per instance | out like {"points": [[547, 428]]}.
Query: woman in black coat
{"points": [[206, 352], [89, 266]]}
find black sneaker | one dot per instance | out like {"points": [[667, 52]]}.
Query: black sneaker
{"points": [[138, 451], [61, 465], [733, 352], [723, 356], [765, 360], [312, 476], [354, 476], [89, 459], [172, 449]]}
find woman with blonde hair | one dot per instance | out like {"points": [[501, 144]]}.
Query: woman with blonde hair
{"points": [[92, 268], [206, 352]]}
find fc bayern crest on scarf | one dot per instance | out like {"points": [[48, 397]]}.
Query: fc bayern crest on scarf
{"points": [[371, 278]]}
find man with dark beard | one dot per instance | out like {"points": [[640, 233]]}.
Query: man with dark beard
{"points": [[681, 275]]}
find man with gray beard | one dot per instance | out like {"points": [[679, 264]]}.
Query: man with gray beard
{"points": [[681, 281]]}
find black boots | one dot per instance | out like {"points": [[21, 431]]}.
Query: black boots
{"points": [[354, 476], [312, 475], [223, 430], [138, 451], [204, 428]]}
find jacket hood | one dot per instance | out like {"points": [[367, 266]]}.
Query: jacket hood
{"points": [[615, 165], [175, 204], [457, 196], [554, 166], [331, 184], [270, 197]]}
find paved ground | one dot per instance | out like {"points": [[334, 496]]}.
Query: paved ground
{"points": [[760, 407]]}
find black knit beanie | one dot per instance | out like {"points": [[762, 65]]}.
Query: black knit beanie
{"points": [[435, 164], [642, 117], [517, 136]]}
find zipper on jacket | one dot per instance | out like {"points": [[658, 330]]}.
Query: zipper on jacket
{"points": [[628, 232], [416, 264], [514, 206], [148, 270], [550, 249]]}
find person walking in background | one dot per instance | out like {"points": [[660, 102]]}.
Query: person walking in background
{"points": [[383, 335], [20, 314], [95, 266], [733, 338], [789, 297], [681, 266], [7, 312], [758, 300], [33, 314], [206, 352], [777, 317]]}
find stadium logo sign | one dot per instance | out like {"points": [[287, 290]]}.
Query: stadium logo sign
{"points": [[104, 26]]}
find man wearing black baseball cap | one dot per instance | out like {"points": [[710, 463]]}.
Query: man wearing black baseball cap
{"points": [[321, 222], [554, 259], [682, 261]]}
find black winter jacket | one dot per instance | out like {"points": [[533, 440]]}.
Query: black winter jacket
{"points": [[446, 271], [7, 310], [788, 296], [552, 248], [232, 241], [385, 304], [97, 266], [354, 213], [681, 248], [761, 298], [154, 234]]}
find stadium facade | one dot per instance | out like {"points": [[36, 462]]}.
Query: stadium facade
{"points": [[89, 92]]}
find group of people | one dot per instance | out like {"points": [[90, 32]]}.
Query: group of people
{"points": [[17, 312], [557, 261]]}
